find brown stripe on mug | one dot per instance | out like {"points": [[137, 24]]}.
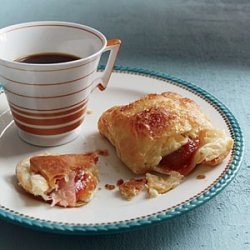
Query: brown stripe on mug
{"points": [[49, 122], [46, 97], [44, 110], [49, 114], [49, 131], [48, 84]]}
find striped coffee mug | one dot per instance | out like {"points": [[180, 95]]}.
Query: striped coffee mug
{"points": [[48, 101]]}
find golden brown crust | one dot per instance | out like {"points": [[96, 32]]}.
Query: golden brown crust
{"points": [[152, 127], [52, 167], [152, 121], [131, 188]]}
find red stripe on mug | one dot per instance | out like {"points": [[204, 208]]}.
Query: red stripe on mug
{"points": [[46, 97], [41, 110], [50, 131], [49, 122], [49, 114], [48, 84]]}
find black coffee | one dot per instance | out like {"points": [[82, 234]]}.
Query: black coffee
{"points": [[47, 58]]}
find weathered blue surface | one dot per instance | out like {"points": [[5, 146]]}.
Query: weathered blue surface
{"points": [[204, 42]]}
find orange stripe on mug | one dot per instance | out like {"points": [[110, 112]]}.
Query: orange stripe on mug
{"points": [[46, 97], [48, 84], [50, 131], [49, 114], [49, 122], [47, 110]]}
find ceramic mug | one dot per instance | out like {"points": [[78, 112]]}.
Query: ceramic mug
{"points": [[48, 101]]}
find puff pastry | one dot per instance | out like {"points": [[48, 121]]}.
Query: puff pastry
{"points": [[131, 188], [66, 180], [157, 185], [164, 132]]}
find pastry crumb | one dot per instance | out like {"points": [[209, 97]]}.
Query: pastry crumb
{"points": [[110, 187], [90, 112], [119, 182], [132, 188], [158, 185], [104, 152], [200, 177]]}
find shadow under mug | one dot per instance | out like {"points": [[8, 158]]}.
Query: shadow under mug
{"points": [[48, 101]]}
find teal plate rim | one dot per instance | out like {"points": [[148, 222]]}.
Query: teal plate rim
{"points": [[223, 181]]}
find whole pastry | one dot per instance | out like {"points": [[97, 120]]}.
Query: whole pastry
{"points": [[164, 132]]}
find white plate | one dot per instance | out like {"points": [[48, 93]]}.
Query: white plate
{"points": [[107, 211]]}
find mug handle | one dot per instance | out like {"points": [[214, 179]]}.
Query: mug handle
{"points": [[114, 46]]}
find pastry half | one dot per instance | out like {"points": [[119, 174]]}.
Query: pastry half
{"points": [[68, 180], [164, 132]]}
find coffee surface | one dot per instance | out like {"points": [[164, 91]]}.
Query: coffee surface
{"points": [[47, 58]]}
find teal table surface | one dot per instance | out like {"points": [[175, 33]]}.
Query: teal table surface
{"points": [[205, 42]]}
